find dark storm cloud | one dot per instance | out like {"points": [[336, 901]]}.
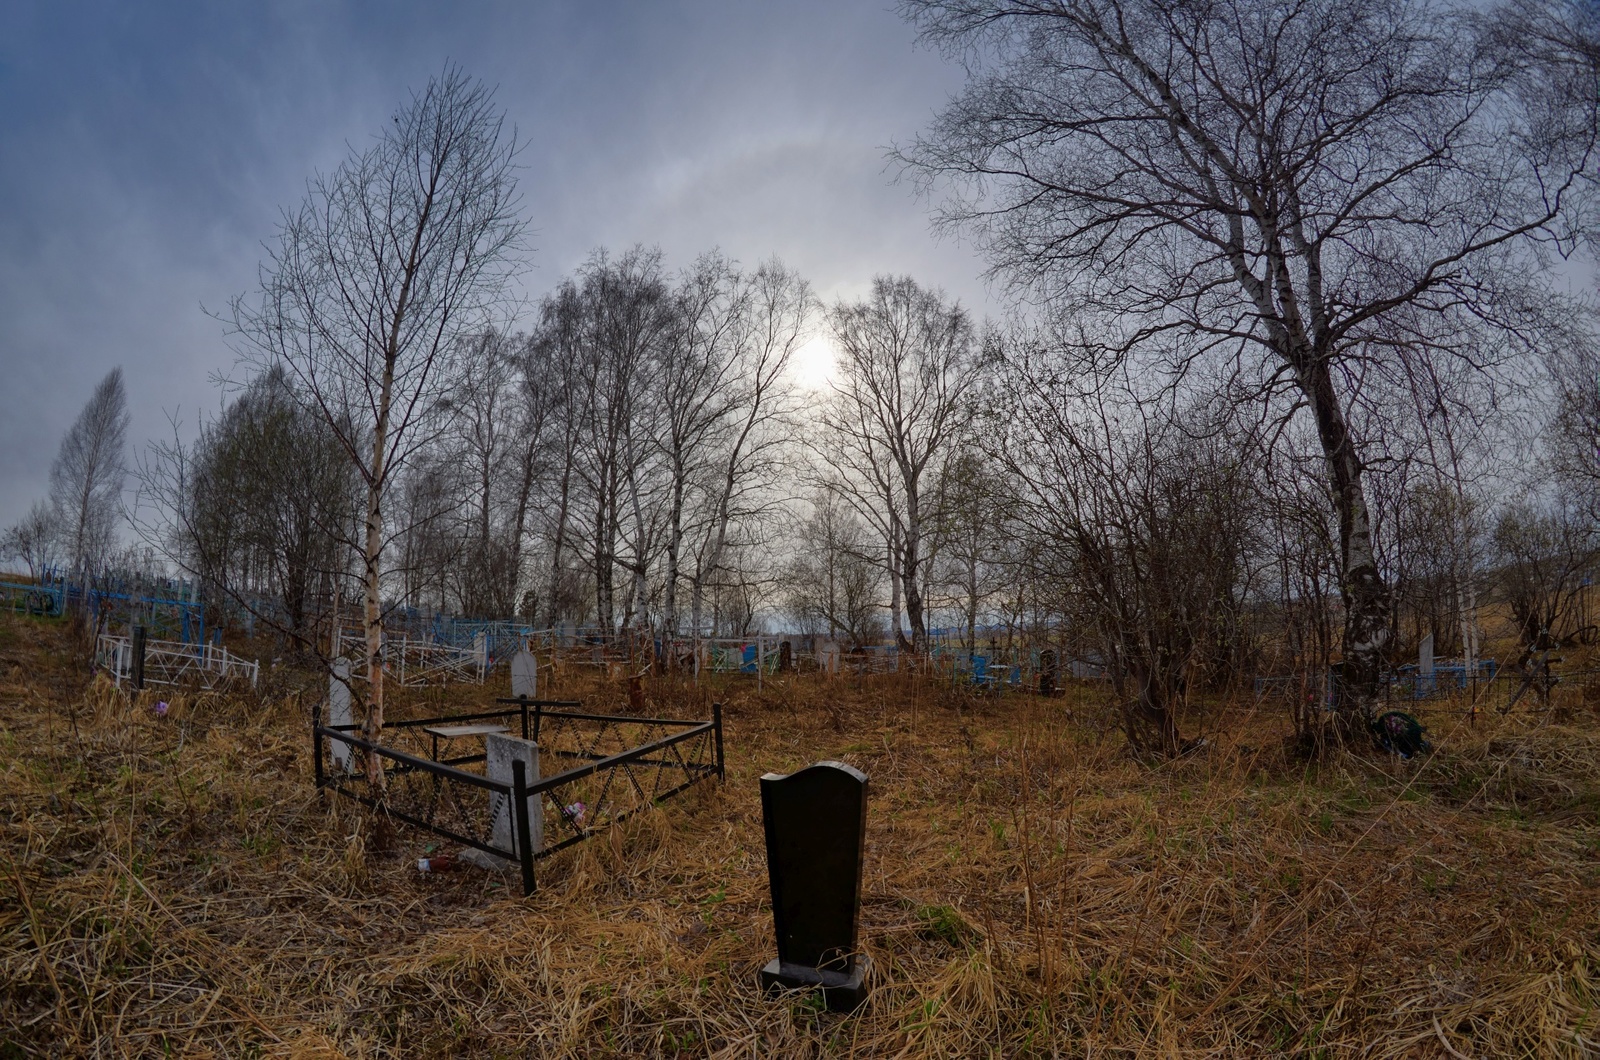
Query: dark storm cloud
{"points": [[146, 150]]}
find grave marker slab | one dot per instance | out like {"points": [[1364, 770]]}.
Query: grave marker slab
{"points": [[816, 823], [1049, 672], [502, 751], [339, 712], [524, 675]]}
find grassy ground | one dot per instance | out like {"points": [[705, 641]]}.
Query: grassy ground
{"points": [[175, 886]]}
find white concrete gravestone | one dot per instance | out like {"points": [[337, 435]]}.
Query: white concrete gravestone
{"points": [[524, 675], [828, 655], [1425, 656], [502, 751], [339, 709]]}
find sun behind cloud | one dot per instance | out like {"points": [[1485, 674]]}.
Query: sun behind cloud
{"points": [[814, 363]]}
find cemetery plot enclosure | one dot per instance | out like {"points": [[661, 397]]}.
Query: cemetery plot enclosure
{"points": [[590, 771], [1538, 686], [413, 661], [46, 600], [166, 662]]}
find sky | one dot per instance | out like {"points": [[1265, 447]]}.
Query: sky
{"points": [[147, 151]]}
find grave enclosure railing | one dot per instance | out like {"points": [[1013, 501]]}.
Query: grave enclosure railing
{"points": [[413, 661], [25, 599], [171, 663], [607, 767], [1490, 688]]}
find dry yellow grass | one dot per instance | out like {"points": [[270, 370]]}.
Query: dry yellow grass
{"points": [[175, 886]]}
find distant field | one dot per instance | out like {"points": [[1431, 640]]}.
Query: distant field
{"points": [[176, 886]]}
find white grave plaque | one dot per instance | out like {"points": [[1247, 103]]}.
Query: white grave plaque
{"points": [[502, 751], [524, 675], [339, 709]]}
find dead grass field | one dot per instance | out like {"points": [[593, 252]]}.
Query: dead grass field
{"points": [[175, 886]]}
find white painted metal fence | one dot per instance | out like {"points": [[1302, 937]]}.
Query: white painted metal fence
{"points": [[412, 661], [170, 662]]}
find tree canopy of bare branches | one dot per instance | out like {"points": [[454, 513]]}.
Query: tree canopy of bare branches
{"points": [[1292, 189], [899, 408], [34, 539], [86, 478], [403, 249], [261, 507]]}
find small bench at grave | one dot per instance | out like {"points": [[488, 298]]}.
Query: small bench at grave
{"points": [[816, 825], [457, 732]]}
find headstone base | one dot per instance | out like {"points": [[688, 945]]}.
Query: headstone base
{"points": [[482, 859], [841, 992]]}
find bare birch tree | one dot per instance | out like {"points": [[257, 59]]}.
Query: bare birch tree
{"points": [[899, 406], [499, 413], [613, 320], [1140, 520], [1572, 435], [1270, 183], [87, 475], [833, 588], [559, 347], [1547, 554], [970, 513], [34, 539], [775, 307], [538, 404], [261, 506], [696, 395], [404, 248]]}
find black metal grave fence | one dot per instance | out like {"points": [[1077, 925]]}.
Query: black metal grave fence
{"points": [[607, 767], [1538, 688]]}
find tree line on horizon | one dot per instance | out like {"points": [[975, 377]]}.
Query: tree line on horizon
{"points": [[1291, 374]]}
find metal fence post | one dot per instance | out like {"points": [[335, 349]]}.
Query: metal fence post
{"points": [[716, 716], [519, 817], [138, 657], [316, 738], [522, 702]]}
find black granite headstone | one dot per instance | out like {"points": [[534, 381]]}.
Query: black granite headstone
{"points": [[816, 823], [1049, 672]]}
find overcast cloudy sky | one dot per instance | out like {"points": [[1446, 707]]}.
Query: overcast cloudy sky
{"points": [[146, 151]]}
